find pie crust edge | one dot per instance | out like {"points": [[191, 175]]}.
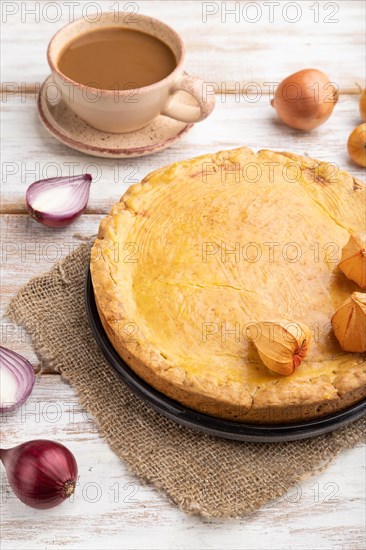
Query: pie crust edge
{"points": [[218, 401]]}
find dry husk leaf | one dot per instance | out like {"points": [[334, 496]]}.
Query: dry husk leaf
{"points": [[281, 344], [349, 323], [353, 261]]}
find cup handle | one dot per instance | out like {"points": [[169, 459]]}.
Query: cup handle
{"points": [[189, 113]]}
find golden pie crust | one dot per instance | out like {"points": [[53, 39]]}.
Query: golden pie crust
{"points": [[201, 248]]}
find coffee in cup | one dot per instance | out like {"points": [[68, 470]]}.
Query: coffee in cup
{"points": [[118, 76]]}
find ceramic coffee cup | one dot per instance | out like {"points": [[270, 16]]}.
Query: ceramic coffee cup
{"points": [[129, 110]]}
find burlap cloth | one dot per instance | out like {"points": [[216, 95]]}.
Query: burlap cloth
{"points": [[202, 474]]}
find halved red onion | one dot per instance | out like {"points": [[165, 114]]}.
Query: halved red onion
{"points": [[57, 202], [16, 379]]}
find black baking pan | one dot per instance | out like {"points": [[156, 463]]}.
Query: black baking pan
{"points": [[210, 425]]}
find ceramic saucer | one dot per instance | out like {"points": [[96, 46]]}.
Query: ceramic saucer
{"points": [[71, 130]]}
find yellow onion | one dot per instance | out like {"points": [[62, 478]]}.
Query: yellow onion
{"points": [[356, 145], [363, 105], [305, 100]]}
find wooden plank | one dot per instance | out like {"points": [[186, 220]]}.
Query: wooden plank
{"points": [[30, 153], [29, 249], [256, 43], [138, 517]]}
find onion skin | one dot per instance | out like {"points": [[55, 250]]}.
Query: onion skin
{"points": [[41, 473], [23, 371], [305, 100], [62, 218], [356, 145]]}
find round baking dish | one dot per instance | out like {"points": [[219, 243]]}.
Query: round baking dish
{"points": [[210, 425]]}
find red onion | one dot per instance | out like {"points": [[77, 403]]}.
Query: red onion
{"points": [[16, 379], [57, 202], [41, 473]]}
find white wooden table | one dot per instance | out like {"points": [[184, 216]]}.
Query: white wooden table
{"points": [[111, 508]]}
